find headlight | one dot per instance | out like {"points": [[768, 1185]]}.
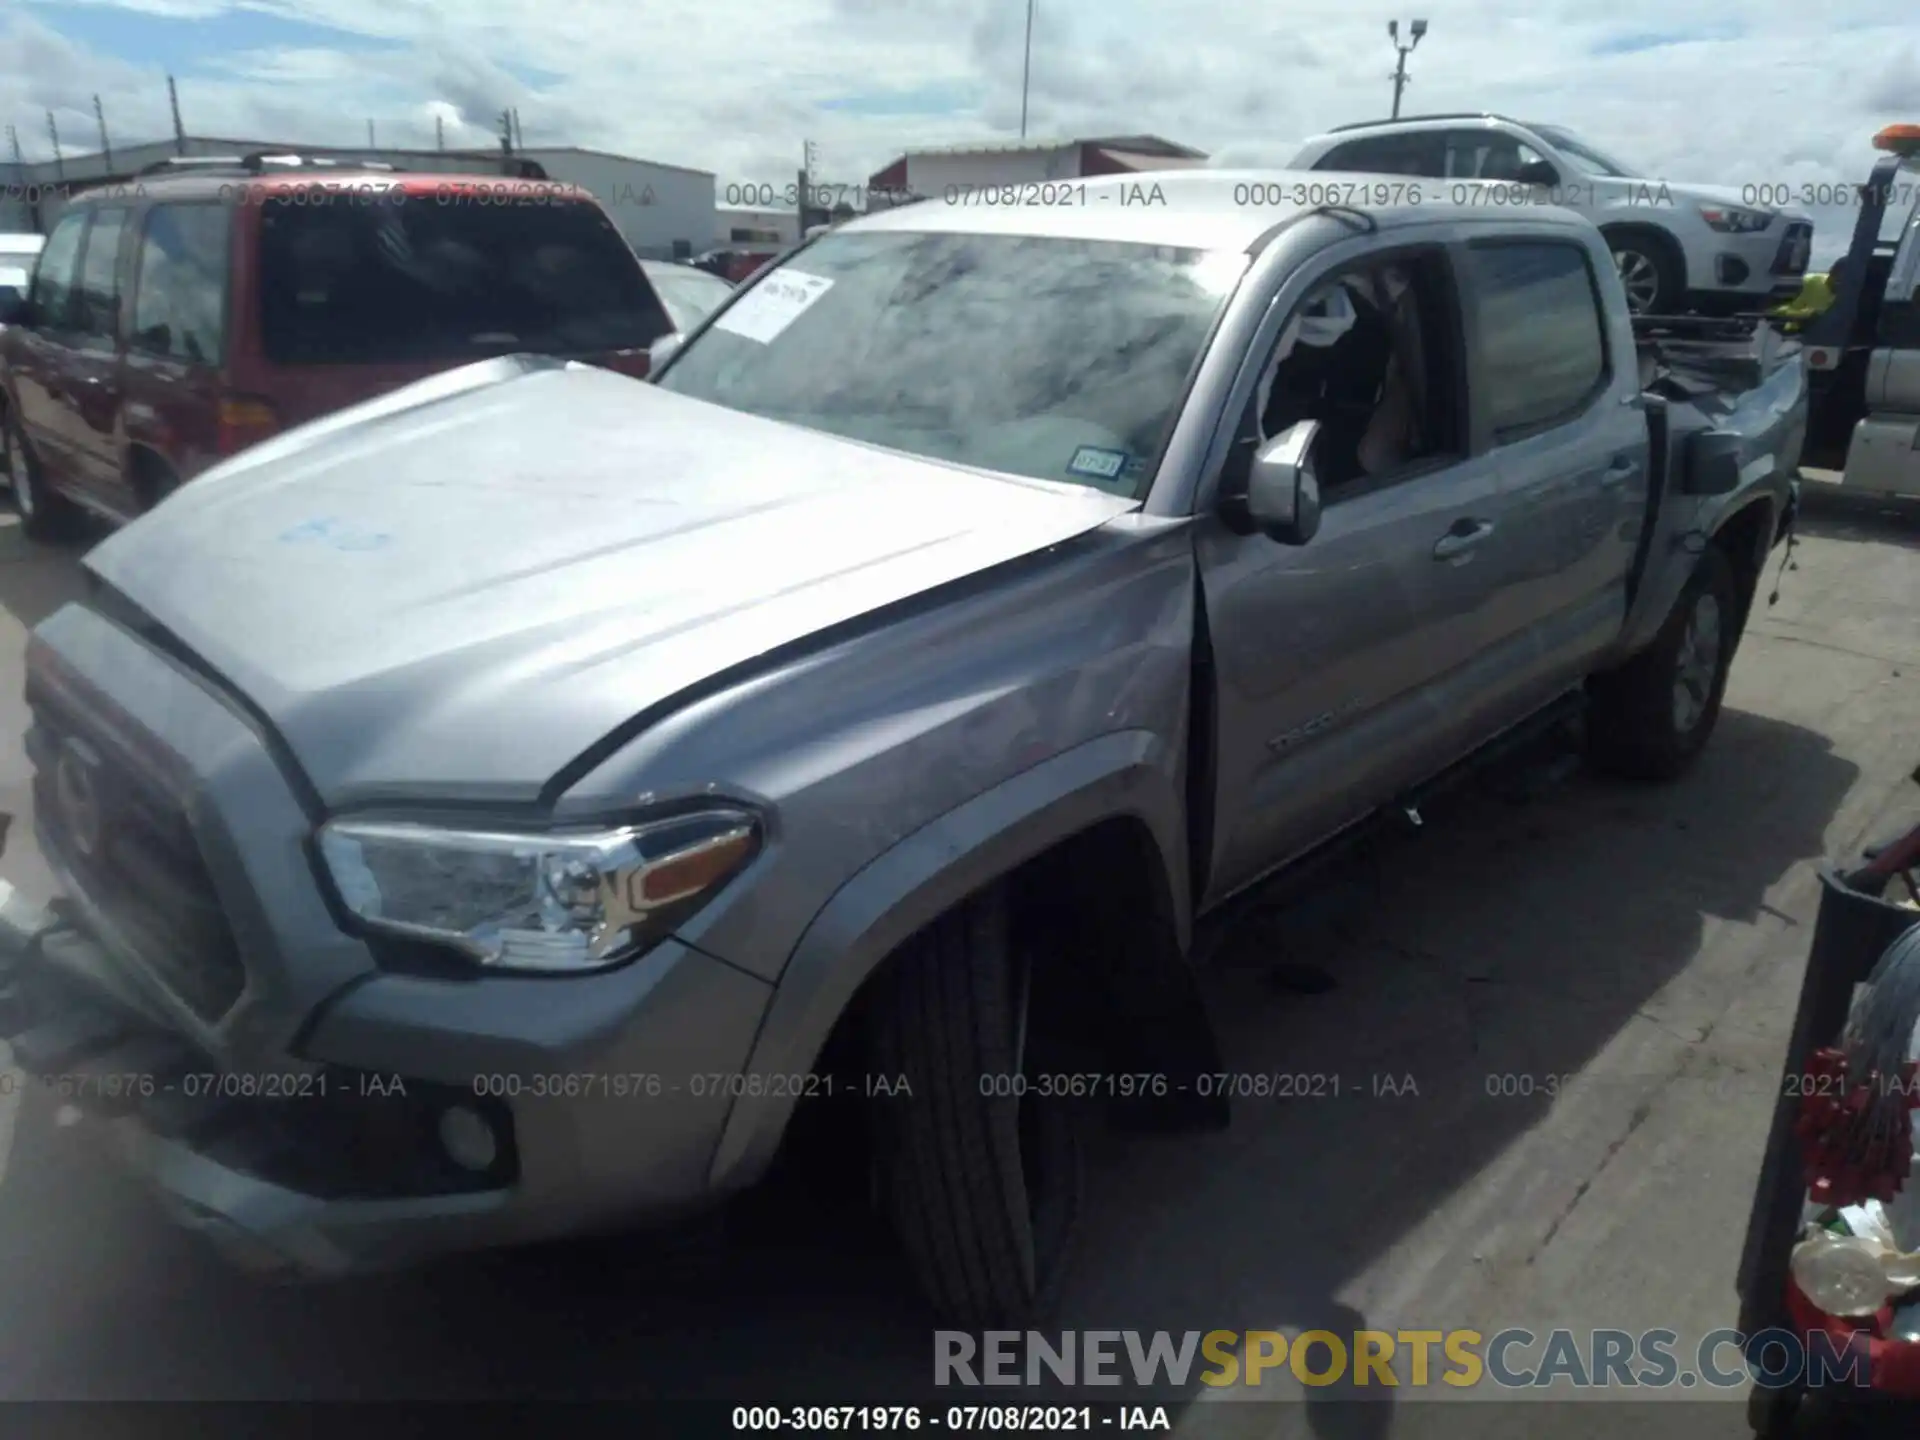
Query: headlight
{"points": [[559, 901], [1731, 221]]}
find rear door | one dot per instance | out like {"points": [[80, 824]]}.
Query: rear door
{"points": [[39, 351], [1555, 384], [94, 395], [177, 339]]}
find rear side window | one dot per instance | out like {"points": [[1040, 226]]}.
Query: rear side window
{"points": [[179, 306], [1542, 346], [97, 309], [53, 278], [1488, 155], [365, 281], [1417, 154]]}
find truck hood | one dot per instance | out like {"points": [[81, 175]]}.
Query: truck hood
{"points": [[456, 589]]}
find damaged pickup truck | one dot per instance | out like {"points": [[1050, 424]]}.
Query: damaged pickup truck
{"points": [[499, 810]]}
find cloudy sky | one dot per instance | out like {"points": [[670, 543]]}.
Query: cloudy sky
{"points": [[1759, 92]]}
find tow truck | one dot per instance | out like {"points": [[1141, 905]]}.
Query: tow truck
{"points": [[1863, 350]]}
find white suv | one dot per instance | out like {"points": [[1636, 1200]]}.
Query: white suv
{"points": [[1676, 246]]}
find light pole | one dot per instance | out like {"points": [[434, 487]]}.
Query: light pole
{"points": [[1026, 71], [1418, 28]]}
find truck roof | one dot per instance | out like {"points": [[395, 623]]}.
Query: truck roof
{"points": [[1198, 208]]}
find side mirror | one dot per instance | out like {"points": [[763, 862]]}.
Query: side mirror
{"points": [[661, 349], [1538, 172], [1283, 497], [13, 307], [1712, 464]]}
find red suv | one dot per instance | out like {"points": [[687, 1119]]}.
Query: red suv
{"points": [[202, 307]]}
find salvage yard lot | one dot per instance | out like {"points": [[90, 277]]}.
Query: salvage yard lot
{"points": [[1646, 942]]}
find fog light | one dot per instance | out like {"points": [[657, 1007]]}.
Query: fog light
{"points": [[468, 1139]]}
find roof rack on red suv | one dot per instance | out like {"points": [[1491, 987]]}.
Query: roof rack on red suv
{"points": [[259, 162]]}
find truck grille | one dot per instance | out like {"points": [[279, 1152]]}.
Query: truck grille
{"points": [[1795, 245], [129, 846]]}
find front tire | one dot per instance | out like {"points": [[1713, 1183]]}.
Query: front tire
{"points": [[45, 514], [1651, 718], [981, 1187], [1652, 274]]}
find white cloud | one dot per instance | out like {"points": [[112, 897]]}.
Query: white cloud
{"points": [[1757, 92]]}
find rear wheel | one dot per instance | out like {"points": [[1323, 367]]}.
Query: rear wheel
{"points": [[980, 1182], [45, 514], [1654, 714]]}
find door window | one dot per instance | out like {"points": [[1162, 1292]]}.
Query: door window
{"points": [[1419, 153], [179, 307], [1542, 337], [1488, 155], [1373, 356], [97, 297], [53, 277]]}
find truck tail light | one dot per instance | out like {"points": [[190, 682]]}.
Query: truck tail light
{"points": [[244, 421]]}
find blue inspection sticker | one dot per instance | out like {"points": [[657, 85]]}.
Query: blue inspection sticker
{"points": [[1100, 464]]}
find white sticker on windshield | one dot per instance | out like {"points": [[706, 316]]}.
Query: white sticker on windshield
{"points": [[772, 305], [1100, 464]]}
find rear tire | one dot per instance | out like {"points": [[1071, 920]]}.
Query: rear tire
{"points": [[982, 1188], [45, 514], [1651, 718], [1654, 276]]}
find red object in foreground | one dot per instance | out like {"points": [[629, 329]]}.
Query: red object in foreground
{"points": [[1848, 1156], [1893, 1366]]}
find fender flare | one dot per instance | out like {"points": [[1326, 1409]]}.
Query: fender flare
{"points": [[1127, 773], [1661, 588]]}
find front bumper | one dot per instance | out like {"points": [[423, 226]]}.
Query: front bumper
{"points": [[1771, 263], [329, 1167]]}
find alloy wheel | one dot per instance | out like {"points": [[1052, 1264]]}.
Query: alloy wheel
{"points": [[1698, 664], [1640, 276], [17, 473]]}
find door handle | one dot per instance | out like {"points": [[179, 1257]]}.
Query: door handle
{"points": [[1465, 534]]}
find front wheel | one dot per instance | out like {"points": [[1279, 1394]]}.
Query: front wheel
{"points": [[1652, 716], [980, 1182], [1649, 272], [45, 514]]}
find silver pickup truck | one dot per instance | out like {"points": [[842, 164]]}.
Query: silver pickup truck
{"points": [[501, 809]]}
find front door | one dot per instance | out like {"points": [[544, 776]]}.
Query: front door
{"points": [[40, 349], [93, 396], [1327, 656]]}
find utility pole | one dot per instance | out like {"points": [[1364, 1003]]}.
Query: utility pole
{"points": [[805, 206], [106, 150], [1026, 71], [1417, 29], [179, 130], [439, 132], [59, 164], [519, 135], [13, 144], [369, 134]]}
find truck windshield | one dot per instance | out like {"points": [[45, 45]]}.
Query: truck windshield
{"points": [[1059, 359], [1590, 159], [369, 280]]}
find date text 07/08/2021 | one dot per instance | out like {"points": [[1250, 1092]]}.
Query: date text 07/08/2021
{"points": [[972, 1419]]}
